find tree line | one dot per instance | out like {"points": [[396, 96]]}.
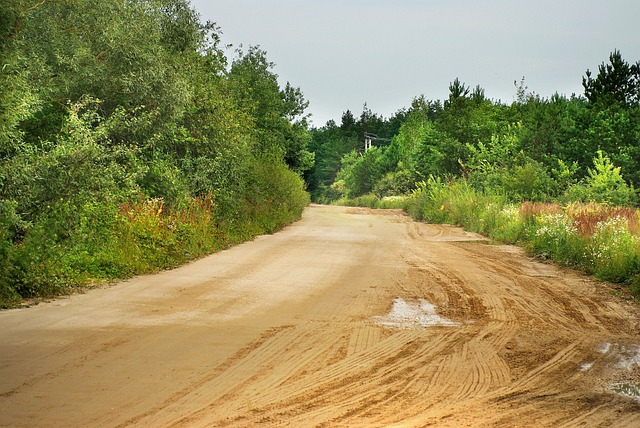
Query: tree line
{"points": [[130, 142], [578, 148]]}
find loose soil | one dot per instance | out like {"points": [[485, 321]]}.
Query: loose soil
{"points": [[348, 318]]}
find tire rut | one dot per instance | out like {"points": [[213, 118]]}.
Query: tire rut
{"points": [[287, 331]]}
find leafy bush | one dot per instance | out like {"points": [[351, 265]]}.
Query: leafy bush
{"points": [[276, 196], [428, 201], [9, 223], [395, 183], [604, 184], [57, 250], [501, 166]]}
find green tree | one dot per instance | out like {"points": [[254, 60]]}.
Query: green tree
{"points": [[501, 166], [611, 122], [616, 82], [281, 127], [467, 118], [329, 145], [113, 51], [360, 172], [550, 129]]}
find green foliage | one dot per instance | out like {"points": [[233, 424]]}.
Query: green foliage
{"points": [[110, 50], [18, 100], [127, 144], [422, 148], [603, 184], [9, 222], [77, 167], [614, 251], [275, 196], [504, 223], [468, 117], [555, 236], [454, 202], [329, 145], [563, 176], [395, 183], [503, 165], [360, 172], [616, 82], [281, 127]]}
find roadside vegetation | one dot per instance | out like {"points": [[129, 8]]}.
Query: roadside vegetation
{"points": [[557, 175], [129, 143]]}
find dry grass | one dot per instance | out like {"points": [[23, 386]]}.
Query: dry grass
{"points": [[587, 216], [530, 210]]}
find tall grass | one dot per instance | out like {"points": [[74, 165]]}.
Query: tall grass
{"points": [[614, 251]]}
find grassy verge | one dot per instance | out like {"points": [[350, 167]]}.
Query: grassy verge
{"points": [[600, 240]]}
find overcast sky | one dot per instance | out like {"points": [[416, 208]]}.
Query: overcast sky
{"points": [[343, 53]]}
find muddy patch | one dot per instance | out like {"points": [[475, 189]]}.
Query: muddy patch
{"points": [[417, 313]]}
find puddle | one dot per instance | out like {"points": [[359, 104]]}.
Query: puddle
{"points": [[604, 348], [627, 389], [628, 356], [585, 367], [419, 313], [624, 357]]}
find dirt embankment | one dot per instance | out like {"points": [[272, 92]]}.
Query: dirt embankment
{"points": [[347, 318]]}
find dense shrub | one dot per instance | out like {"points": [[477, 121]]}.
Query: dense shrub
{"points": [[604, 184], [130, 143]]}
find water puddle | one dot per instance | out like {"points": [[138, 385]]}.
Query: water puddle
{"points": [[628, 356], [627, 389], [605, 348], [412, 314], [620, 357], [585, 367]]}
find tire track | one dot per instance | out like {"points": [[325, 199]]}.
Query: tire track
{"points": [[283, 331]]}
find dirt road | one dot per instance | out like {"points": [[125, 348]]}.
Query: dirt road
{"points": [[348, 318]]}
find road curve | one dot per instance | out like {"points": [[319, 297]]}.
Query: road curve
{"points": [[348, 318]]}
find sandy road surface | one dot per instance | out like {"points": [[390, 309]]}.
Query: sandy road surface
{"points": [[347, 318]]}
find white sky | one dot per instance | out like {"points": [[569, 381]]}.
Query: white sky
{"points": [[343, 53]]}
